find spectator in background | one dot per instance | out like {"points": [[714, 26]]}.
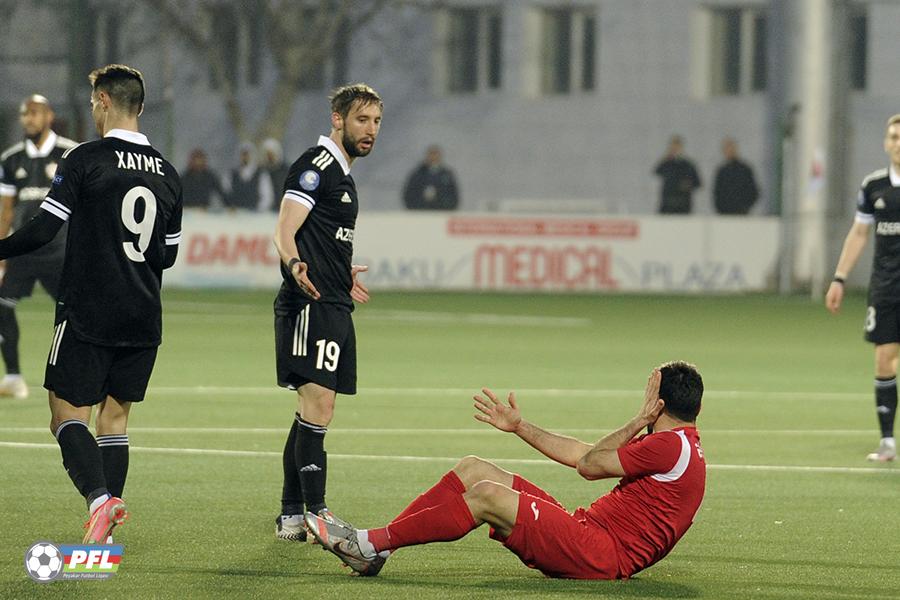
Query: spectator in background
{"points": [[679, 179], [273, 164], [200, 186], [251, 187], [431, 186], [735, 189]]}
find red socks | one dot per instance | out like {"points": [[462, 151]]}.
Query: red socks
{"points": [[456, 520], [448, 521], [449, 485]]}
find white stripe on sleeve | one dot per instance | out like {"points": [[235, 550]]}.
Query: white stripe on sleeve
{"points": [[54, 210], [864, 218], [300, 197]]}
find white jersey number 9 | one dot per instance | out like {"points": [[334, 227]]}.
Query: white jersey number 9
{"points": [[143, 228]]}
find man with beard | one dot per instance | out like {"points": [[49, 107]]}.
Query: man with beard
{"points": [[26, 172], [315, 343]]}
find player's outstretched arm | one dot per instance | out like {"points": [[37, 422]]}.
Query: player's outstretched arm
{"points": [[854, 244], [506, 417], [602, 460], [290, 219], [37, 232]]}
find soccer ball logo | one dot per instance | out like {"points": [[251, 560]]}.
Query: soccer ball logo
{"points": [[43, 561]]}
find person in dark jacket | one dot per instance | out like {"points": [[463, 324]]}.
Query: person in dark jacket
{"points": [[735, 189], [431, 185], [251, 186], [201, 187], [679, 179]]}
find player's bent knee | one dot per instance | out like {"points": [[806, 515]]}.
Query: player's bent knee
{"points": [[472, 469], [467, 464], [485, 491], [493, 503]]}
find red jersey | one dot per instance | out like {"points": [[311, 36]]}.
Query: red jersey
{"points": [[655, 503]]}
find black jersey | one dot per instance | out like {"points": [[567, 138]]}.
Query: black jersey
{"points": [[320, 180], [879, 204], [26, 172], [122, 201]]}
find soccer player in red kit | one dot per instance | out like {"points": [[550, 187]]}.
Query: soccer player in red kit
{"points": [[630, 528]]}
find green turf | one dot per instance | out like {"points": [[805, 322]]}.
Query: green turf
{"points": [[787, 385]]}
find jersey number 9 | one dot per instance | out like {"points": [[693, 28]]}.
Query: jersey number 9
{"points": [[143, 228]]}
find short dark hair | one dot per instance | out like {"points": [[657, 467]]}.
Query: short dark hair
{"points": [[682, 390], [342, 98], [124, 84]]}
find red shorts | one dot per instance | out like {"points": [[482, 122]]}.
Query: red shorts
{"points": [[547, 538]]}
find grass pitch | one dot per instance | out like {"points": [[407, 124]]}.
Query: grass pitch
{"points": [[792, 510]]}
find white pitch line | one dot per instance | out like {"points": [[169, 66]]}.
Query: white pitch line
{"points": [[445, 459], [201, 390], [412, 316], [451, 431]]}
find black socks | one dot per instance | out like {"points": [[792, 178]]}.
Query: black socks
{"points": [[114, 449], [886, 404], [82, 459], [291, 491], [9, 332], [311, 460]]}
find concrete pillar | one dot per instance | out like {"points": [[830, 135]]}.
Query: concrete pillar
{"points": [[811, 190]]}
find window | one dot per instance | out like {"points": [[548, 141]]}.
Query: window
{"points": [[243, 58], [463, 50], [588, 54], [738, 48], [495, 50], [568, 50], [859, 47], [256, 37], [108, 36], [760, 47], [473, 51], [225, 27], [333, 67]]}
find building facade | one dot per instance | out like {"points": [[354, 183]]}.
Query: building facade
{"points": [[538, 104]]}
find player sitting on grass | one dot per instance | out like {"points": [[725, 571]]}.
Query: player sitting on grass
{"points": [[630, 528]]}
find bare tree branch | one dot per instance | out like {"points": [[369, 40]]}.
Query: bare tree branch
{"points": [[200, 41], [300, 37]]}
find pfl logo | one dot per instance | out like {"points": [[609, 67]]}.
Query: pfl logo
{"points": [[46, 562]]}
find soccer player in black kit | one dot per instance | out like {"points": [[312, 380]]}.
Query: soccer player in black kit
{"points": [[879, 205], [315, 344], [26, 171], [122, 202]]}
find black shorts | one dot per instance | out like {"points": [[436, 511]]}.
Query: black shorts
{"points": [[23, 271], [318, 345], [84, 374], [883, 323]]}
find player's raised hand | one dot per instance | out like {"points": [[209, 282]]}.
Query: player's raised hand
{"points": [[494, 412], [653, 404], [359, 292], [300, 271], [834, 296]]}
